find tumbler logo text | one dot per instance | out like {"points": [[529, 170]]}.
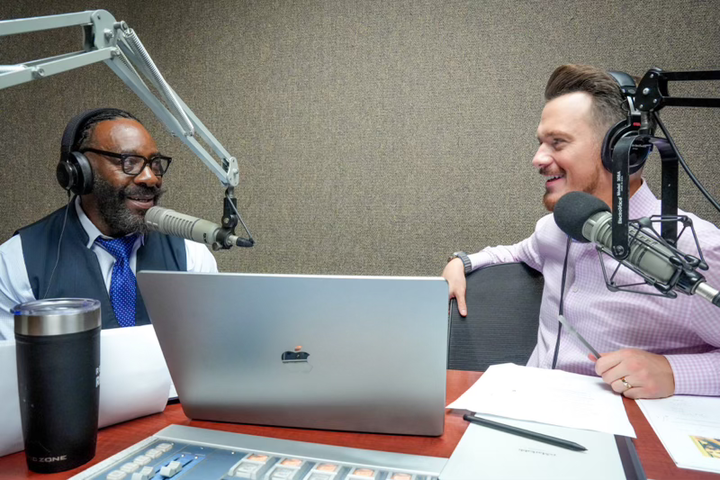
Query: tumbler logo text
{"points": [[49, 459]]}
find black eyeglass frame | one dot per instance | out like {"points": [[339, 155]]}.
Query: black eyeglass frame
{"points": [[155, 160]]}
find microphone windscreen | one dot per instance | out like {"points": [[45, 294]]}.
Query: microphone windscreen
{"points": [[572, 211]]}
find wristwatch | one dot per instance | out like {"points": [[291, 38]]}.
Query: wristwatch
{"points": [[465, 260]]}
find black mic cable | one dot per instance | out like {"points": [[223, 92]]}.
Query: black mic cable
{"points": [[242, 242], [684, 164], [562, 298], [561, 316]]}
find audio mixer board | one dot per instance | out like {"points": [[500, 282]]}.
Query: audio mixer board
{"points": [[188, 453]]}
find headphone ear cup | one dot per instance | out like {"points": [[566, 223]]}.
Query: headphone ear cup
{"points": [[609, 142], [65, 174], [638, 154], [85, 173], [75, 174]]}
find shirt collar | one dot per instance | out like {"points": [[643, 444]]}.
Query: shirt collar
{"points": [[92, 231]]}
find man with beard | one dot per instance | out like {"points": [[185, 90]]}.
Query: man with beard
{"points": [[92, 247], [656, 347]]}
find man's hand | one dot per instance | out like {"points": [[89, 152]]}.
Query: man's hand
{"points": [[646, 375], [454, 273]]}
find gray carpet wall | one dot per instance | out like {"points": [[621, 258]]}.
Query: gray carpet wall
{"points": [[373, 137]]}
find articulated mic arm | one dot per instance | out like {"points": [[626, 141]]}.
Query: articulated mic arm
{"points": [[650, 97], [107, 40]]}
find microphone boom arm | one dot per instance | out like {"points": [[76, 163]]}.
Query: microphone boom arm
{"points": [[652, 92], [650, 96], [107, 40]]}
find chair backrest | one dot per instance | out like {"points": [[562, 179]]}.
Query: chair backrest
{"points": [[502, 322]]}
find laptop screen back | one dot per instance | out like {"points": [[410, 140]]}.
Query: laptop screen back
{"points": [[331, 352]]}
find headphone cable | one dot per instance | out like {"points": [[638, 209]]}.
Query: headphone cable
{"points": [[62, 232]]}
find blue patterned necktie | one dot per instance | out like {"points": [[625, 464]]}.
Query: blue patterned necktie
{"points": [[122, 284]]}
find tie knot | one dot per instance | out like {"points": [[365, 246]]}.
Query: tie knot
{"points": [[120, 248]]}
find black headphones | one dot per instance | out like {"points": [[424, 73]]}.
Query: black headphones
{"points": [[625, 128], [74, 172]]}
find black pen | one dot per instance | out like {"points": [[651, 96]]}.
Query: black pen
{"points": [[558, 442]]}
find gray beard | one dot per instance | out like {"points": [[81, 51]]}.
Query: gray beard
{"points": [[111, 206]]}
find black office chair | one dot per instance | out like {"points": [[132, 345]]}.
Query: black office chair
{"points": [[502, 323]]}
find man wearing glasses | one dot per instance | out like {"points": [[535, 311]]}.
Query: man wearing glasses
{"points": [[92, 247]]}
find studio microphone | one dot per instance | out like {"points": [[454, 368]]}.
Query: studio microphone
{"points": [[170, 222], [586, 218]]}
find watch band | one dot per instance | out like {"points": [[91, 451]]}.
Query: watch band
{"points": [[467, 265]]}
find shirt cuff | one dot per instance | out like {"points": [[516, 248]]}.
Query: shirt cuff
{"points": [[480, 259], [696, 374]]}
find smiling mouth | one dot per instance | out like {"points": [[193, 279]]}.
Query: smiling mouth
{"points": [[142, 202], [553, 178]]}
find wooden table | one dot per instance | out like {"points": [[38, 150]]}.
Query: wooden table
{"points": [[657, 463]]}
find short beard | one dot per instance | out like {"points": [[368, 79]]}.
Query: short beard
{"points": [[111, 206], [549, 204], [591, 187]]}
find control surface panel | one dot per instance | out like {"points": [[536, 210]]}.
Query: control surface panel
{"points": [[188, 453]]}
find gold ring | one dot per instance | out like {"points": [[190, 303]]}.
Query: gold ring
{"points": [[625, 382]]}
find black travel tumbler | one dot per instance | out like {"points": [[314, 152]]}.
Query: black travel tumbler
{"points": [[58, 366]]}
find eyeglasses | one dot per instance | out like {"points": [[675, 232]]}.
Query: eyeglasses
{"points": [[134, 164]]}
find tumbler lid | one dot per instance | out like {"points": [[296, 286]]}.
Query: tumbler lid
{"points": [[57, 316]]}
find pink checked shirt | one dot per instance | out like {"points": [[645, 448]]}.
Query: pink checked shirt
{"points": [[686, 329]]}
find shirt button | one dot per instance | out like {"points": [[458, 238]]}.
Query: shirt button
{"points": [[574, 289]]}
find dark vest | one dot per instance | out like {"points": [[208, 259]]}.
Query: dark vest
{"points": [[78, 273]]}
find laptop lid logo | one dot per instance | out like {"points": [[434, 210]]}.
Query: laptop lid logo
{"points": [[297, 360]]}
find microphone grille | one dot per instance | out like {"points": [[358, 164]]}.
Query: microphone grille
{"points": [[572, 211], [169, 222]]}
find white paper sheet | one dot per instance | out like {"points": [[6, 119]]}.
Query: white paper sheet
{"points": [[484, 453], [134, 381], [689, 428], [547, 396], [11, 439]]}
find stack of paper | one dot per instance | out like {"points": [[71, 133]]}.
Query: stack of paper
{"points": [[484, 453], [563, 405], [547, 396], [689, 428]]}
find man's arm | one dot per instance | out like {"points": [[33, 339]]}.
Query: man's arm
{"points": [[454, 273], [656, 376], [648, 375], [199, 258], [636, 373], [699, 374], [525, 251], [14, 284]]}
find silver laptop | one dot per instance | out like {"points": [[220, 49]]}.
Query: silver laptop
{"points": [[365, 354]]}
